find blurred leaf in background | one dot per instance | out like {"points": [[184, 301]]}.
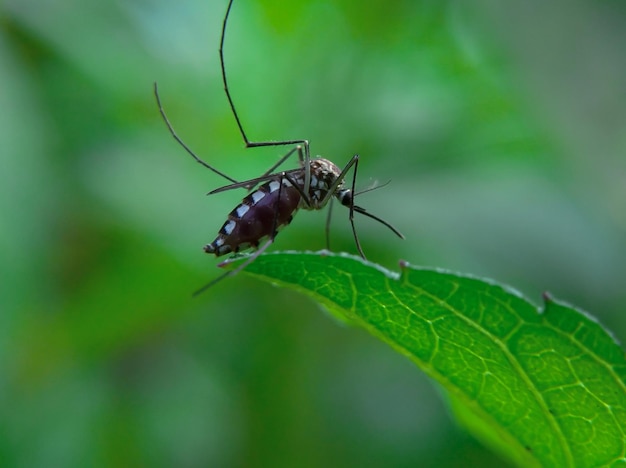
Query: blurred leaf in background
{"points": [[502, 127]]}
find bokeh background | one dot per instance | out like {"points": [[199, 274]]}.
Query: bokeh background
{"points": [[502, 126]]}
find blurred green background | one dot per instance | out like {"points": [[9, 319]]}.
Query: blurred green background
{"points": [[502, 126]]}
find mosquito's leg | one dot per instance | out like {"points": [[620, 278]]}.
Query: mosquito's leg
{"points": [[248, 261], [182, 143], [283, 159], [327, 229], [212, 283], [346, 198], [332, 192], [355, 161], [245, 184], [364, 212], [256, 144]]}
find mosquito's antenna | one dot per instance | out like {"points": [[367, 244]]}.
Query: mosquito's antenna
{"points": [[373, 187], [181, 142]]}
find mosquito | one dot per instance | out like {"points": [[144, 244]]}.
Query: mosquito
{"points": [[274, 198]]}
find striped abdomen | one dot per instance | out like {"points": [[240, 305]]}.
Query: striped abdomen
{"points": [[254, 218]]}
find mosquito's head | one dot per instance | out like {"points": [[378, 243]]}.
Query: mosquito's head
{"points": [[345, 197]]}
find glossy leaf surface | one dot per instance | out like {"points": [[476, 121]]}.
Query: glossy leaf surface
{"points": [[543, 388]]}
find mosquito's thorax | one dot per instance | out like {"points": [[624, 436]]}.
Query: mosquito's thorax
{"points": [[324, 175]]}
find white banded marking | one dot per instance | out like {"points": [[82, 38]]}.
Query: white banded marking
{"points": [[257, 196], [242, 210], [274, 186], [228, 227]]}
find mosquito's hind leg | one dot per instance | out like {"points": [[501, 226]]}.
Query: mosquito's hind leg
{"points": [[248, 261], [182, 143], [303, 150]]}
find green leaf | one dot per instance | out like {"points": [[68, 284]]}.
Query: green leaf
{"points": [[542, 388]]}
